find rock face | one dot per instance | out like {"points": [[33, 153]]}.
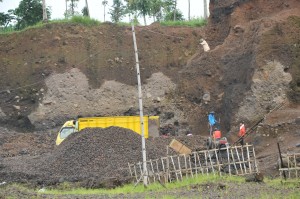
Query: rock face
{"points": [[268, 90]]}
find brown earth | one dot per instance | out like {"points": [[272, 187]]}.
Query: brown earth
{"points": [[61, 71]]}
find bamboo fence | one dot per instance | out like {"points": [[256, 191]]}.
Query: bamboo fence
{"points": [[291, 168], [234, 160]]}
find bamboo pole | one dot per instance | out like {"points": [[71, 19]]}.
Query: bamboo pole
{"points": [[174, 167], [295, 160], [179, 167], [248, 155], [206, 163], [212, 167], [234, 162], [190, 164], [200, 165], [156, 161], [218, 163], [228, 159], [239, 160], [243, 158], [151, 164]]}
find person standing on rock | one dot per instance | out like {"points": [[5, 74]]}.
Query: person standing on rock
{"points": [[242, 133]]}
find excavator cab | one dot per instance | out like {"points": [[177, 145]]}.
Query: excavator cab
{"points": [[67, 129]]}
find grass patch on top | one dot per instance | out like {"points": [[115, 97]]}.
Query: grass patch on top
{"points": [[86, 21], [197, 22]]}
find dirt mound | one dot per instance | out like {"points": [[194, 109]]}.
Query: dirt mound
{"points": [[94, 157]]}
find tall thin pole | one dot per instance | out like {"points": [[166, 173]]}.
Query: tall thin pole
{"points": [[104, 3], [145, 173], [104, 12]]}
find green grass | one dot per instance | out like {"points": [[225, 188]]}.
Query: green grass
{"points": [[86, 21], [154, 187], [291, 186], [198, 22], [280, 183]]}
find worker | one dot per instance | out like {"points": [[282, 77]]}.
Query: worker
{"points": [[211, 121], [217, 134], [205, 45], [242, 133]]}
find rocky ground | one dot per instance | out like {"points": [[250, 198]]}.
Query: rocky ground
{"points": [[63, 71]]}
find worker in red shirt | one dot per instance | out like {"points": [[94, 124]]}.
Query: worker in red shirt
{"points": [[217, 134], [242, 133]]}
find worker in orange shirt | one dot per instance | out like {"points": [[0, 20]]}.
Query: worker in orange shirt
{"points": [[242, 133], [217, 134]]}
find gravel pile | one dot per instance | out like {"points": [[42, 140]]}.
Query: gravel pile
{"points": [[103, 153], [94, 157]]}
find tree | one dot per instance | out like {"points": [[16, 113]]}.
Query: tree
{"points": [[104, 3], [118, 11], [5, 19], [156, 9], [71, 10], [142, 7], [87, 11], [29, 13], [169, 16], [66, 16], [171, 13]]}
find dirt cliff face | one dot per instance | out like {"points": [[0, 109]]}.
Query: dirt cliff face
{"points": [[63, 71]]}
